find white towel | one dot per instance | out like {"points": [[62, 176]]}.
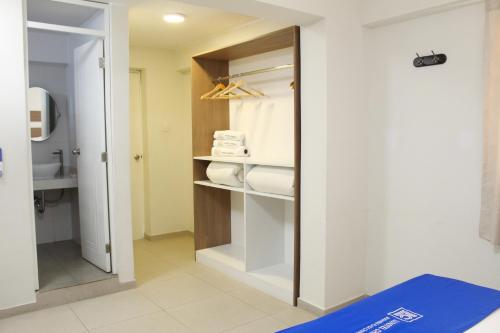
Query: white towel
{"points": [[230, 152], [228, 143], [229, 135], [230, 174], [275, 180]]}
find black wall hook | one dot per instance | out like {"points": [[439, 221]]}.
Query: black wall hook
{"points": [[430, 60]]}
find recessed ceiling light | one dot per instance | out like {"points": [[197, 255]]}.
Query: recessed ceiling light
{"points": [[174, 18]]}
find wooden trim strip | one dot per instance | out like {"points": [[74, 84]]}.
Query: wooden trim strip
{"points": [[297, 111]]}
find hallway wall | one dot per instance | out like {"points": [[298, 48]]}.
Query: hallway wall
{"points": [[167, 155]]}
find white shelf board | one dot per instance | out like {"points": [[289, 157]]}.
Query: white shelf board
{"points": [[276, 281], [230, 255], [271, 195], [269, 163], [223, 187], [279, 276], [222, 159], [243, 160], [65, 29]]}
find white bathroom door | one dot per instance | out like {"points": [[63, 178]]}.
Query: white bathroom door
{"points": [[136, 160], [90, 123]]}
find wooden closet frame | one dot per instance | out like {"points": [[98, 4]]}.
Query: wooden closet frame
{"points": [[212, 206]]}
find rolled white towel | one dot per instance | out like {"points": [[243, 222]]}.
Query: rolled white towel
{"points": [[275, 180], [241, 175], [230, 174], [230, 152], [229, 135], [228, 143]]}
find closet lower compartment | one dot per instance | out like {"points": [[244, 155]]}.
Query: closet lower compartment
{"points": [[260, 252]]}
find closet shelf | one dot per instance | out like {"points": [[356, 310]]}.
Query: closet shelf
{"points": [[240, 160], [243, 160], [208, 183], [271, 195], [223, 187], [229, 255], [279, 276]]}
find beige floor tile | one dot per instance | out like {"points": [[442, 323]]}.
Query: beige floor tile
{"points": [[260, 301], [156, 269], [294, 316], [264, 325], [54, 320], [109, 309], [216, 314], [158, 322], [217, 279], [178, 291]]}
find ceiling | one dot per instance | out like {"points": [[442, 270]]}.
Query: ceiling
{"points": [[58, 12], [147, 28]]}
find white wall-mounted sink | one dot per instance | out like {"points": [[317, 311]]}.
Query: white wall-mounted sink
{"points": [[45, 170], [46, 177]]}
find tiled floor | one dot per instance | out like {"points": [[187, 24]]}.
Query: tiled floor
{"points": [[174, 295], [61, 265]]}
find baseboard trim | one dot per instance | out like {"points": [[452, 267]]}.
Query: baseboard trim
{"points": [[169, 235], [63, 296], [321, 312]]}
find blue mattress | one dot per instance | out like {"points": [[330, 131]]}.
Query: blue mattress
{"points": [[426, 304]]}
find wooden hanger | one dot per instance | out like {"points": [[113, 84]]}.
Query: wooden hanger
{"points": [[218, 88], [228, 93]]}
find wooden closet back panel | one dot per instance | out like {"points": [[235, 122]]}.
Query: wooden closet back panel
{"points": [[212, 217], [212, 207], [208, 115]]}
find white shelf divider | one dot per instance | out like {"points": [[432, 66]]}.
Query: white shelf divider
{"points": [[271, 195], [223, 187], [229, 255]]}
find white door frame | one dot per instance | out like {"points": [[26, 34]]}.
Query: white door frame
{"points": [[106, 36]]}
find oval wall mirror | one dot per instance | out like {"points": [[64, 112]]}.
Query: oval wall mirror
{"points": [[43, 114]]}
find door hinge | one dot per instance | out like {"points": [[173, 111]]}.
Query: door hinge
{"points": [[104, 157], [102, 63], [108, 248]]}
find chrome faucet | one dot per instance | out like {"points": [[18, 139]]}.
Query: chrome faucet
{"points": [[61, 161]]}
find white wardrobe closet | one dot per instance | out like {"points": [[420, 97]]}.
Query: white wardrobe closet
{"points": [[250, 235]]}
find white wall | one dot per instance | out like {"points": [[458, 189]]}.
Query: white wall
{"points": [[17, 278], [120, 202], [346, 151], [375, 12], [425, 152]]}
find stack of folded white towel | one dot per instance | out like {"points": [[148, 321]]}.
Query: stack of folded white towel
{"points": [[230, 144]]}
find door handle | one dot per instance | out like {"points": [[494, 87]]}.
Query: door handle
{"points": [[76, 151], [137, 157]]}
